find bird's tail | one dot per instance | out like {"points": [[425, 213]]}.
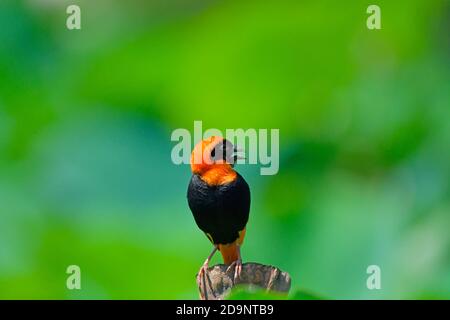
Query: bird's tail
{"points": [[230, 252]]}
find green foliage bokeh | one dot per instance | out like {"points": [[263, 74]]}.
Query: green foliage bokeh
{"points": [[85, 122]]}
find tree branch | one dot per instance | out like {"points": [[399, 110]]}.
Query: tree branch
{"points": [[217, 283]]}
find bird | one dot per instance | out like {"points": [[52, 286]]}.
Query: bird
{"points": [[219, 198]]}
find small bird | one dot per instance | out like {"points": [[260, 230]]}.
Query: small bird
{"points": [[219, 199]]}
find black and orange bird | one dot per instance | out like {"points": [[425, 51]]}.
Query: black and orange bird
{"points": [[219, 199]]}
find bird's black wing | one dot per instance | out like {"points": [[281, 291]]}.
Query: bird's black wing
{"points": [[220, 211]]}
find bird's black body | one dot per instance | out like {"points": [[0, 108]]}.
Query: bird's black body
{"points": [[221, 211]]}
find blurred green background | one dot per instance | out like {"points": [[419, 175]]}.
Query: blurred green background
{"points": [[86, 116]]}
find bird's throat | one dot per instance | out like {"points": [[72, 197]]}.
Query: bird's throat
{"points": [[219, 175]]}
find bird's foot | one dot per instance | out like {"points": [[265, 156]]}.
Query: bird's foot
{"points": [[237, 269], [201, 279], [201, 274]]}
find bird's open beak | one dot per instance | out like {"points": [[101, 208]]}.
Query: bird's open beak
{"points": [[236, 156]]}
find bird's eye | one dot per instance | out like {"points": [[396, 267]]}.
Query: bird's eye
{"points": [[222, 151], [218, 152]]}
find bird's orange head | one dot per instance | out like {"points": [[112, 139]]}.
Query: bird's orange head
{"points": [[213, 160]]}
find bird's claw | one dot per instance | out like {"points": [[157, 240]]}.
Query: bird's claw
{"points": [[201, 273], [237, 269], [201, 279]]}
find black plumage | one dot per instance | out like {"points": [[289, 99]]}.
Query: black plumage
{"points": [[221, 211]]}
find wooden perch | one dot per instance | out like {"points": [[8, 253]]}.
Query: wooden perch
{"points": [[217, 283]]}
